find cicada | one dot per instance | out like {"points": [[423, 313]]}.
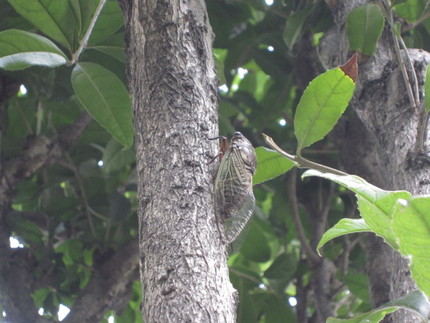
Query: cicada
{"points": [[235, 199]]}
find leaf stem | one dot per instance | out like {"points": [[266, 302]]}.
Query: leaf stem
{"points": [[84, 41], [422, 130], [300, 161]]}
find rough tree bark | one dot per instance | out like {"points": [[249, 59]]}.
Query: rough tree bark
{"points": [[382, 104], [173, 85]]}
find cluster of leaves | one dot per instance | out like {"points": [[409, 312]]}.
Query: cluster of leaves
{"points": [[270, 266], [75, 214]]}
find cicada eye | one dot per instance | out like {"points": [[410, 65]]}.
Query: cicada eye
{"points": [[248, 157]]}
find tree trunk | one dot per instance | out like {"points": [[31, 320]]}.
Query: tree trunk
{"points": [[184, 272], [382, 104]]}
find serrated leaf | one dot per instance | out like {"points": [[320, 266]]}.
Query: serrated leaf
{"points": [[411, 224], [51, 17], [415, 302], [376, 206], [427, 90], [270, 164], [106, 98], [20, 49], [321, 105], [364, 26], [344, 226]]}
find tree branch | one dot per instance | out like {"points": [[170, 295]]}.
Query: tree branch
{"points": [[313, 258], [113, 280], [40, 152], [15, 276], [300, 161]]}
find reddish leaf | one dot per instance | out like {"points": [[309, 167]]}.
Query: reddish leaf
{"points": [[350, 68]]}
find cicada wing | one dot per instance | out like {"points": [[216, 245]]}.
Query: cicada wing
{"points": [[235, 245], [236, 223]]}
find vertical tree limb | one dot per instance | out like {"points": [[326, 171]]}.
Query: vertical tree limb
{"points": [[173, 85]]}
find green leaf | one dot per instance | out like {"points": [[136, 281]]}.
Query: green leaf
{"points": [[294, 26], [256, 246], [109, 21], [270, 164], [71, 250], [40, 295], [26, 229], [283, 267], [83, 11], [411, 10], [370, 317], [53, 18], [111, 50], [358, 284], [114, 46], [20, 49], [278, 311], [321, 105], [427, 90], [244, 280], [106, 98], [344, 226], [115, 157], [415, 302], [411, 224], [364, 26], [376, 206]]}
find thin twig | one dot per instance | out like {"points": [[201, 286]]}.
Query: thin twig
{"points": [[82, 193], [251, 278], [300, 161], [422, 130], [312, 256], [84, 41], [412, 71], [388, 15]]}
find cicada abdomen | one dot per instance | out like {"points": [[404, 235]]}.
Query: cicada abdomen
{"points": [[235, 199]]}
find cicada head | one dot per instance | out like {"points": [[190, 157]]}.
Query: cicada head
{"points": [[247, 152]]}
